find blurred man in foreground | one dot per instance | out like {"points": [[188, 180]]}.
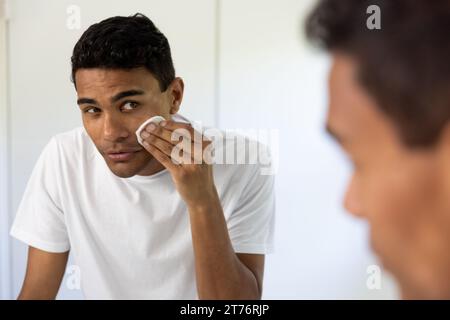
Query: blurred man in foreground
{"points": [[389, 109]]}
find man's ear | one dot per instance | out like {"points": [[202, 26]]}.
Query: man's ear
{"points": [[443, 148], [175, 94]]}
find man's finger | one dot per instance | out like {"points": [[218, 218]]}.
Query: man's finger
{"points": [[170, 136], [159, 142], [154, 129], [164, 159], [173, 125]]}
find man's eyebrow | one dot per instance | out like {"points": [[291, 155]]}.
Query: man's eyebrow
{"points": [[86, 101], [115, 98], [125, 94]]}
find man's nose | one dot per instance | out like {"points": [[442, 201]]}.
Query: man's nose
{"points": [[114, 129], [352, 199]]}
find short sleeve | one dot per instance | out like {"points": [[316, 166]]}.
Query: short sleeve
{"points": [[39, 220], [252, 222]]}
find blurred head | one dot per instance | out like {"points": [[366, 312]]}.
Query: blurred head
{"points": [[389, 109], [123, 72]]}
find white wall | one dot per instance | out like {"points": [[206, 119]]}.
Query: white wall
{"points": [[4, 198], [254, 71]]}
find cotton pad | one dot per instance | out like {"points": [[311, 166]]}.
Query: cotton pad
{"points": [[155, 119]]}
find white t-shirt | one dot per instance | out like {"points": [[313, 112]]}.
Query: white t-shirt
{"points": [[131, 237]]}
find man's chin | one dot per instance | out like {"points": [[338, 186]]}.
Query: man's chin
{"points": [[375, 247], [128, 167], [386, 258], [122, 170], [131, 167]]}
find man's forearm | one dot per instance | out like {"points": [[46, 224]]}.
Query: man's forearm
{"points": [[220, 274]]}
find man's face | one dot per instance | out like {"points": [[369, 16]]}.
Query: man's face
{"points": [[401, 191], [114, 103]]}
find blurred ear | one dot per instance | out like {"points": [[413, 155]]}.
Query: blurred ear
{"points": [[443, 148], [444, 140], [175, 94]]}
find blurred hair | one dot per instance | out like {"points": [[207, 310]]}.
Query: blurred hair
{"points": [[404, 66]]}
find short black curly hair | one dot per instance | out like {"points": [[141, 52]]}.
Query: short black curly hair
{"points": [[404, 66], [125, 43]]}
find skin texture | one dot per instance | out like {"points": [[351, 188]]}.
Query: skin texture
{"points": [[112, 124], [111, 119], [44, 274], [401, 191]]}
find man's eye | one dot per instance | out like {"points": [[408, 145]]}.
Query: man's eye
{"points": [[130, 105], [92, 110]]}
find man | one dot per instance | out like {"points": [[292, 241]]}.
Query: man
{"points": [[140, 223], [389, 109]]}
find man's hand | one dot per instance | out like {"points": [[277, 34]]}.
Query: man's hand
{"points": [[182, 150], [220, 272]]}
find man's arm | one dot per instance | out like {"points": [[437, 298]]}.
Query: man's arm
{"points": [[220, 272], [44, 274]]}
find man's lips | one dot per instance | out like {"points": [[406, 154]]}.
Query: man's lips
{"points": [[122, 155]]}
